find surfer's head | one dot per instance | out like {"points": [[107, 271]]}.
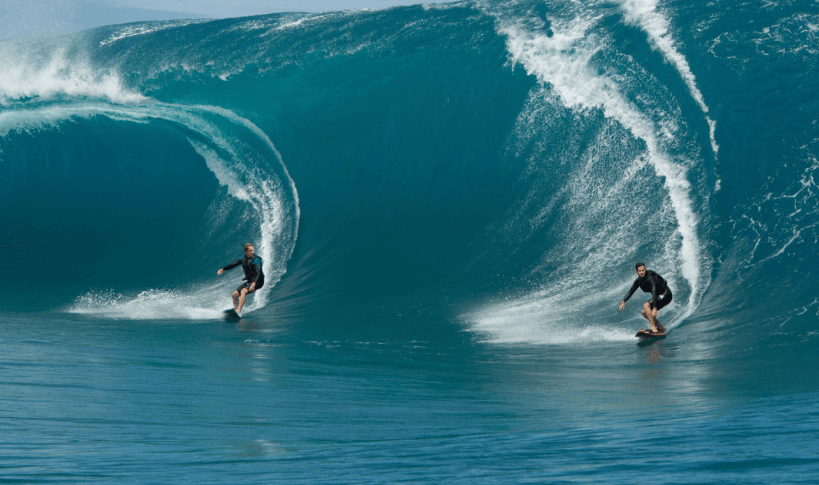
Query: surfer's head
{"points": [[249, 250], [641, 269]]}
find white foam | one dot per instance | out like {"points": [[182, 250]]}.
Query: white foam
{"points": [[294, 24], [148, 28], [563, 59], [303, 20], [444, 6], [563, 63], [150, 304], [225, 177], [543, 321], [644, 14], [60, 75]]}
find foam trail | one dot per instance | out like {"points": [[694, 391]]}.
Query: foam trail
{"points": [[563, 60], [543, 320], [644, 14], [577, 87], [146, 305]]}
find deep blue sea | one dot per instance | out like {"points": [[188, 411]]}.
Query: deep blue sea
{"points": [[449, 201]]}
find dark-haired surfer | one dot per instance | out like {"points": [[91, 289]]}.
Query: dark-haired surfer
{"points": [[650, 282], [253, 280]]}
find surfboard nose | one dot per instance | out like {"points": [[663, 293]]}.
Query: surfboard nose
{"points": [[230, 315]]}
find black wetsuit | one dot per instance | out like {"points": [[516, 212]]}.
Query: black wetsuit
{"points": [[253, 271], [654, 284]]}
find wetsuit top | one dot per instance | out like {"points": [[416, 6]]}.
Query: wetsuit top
{"points": [[650, 283], [252, 267]]}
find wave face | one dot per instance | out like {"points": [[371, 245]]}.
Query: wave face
{"points": [[507, 162]]}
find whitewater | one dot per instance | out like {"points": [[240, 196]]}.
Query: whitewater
{"points": [[449, 201]]}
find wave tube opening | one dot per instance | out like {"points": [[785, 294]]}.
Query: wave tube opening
{"points": [[138, 206]]}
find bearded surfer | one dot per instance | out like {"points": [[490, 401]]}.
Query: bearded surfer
{"points": [[253, 280], [650, 282]]}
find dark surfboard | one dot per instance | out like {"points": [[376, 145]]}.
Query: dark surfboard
{"points": [[231, 315], [648, 334]]}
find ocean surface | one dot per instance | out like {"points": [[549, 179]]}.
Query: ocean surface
{"points": [[449, 201]]}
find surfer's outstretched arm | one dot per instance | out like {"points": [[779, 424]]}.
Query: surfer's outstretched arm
{"points": [[630, 292], [229, 267]]}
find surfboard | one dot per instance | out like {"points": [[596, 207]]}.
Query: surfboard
{"points": [[648, 334], [231, 315]]}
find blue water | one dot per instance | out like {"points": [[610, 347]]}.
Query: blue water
{"points": [[449, 201]]}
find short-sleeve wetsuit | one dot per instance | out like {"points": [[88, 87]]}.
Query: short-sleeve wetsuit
{"points": [[253, 271]]}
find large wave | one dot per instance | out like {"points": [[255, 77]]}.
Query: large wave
{"points": [[43, 97], [626, 194], [506, 161]]}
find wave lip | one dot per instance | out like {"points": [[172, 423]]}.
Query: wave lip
{"points": [[61, 75], [148, 28], [244, 161]]}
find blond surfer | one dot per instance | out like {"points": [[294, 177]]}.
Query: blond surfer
{"points": [[253, 280]]}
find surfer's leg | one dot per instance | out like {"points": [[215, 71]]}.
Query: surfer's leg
{"points": [[663, 301], [649, 314], [657, 322], [235, 299], [242, 301], [645, 315]]}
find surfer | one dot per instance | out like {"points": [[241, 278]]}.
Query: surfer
{"points": [[650, 282], [253, 280]]}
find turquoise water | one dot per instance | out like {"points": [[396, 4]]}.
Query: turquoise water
{"points": [[170, 401], [449, 201]]}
